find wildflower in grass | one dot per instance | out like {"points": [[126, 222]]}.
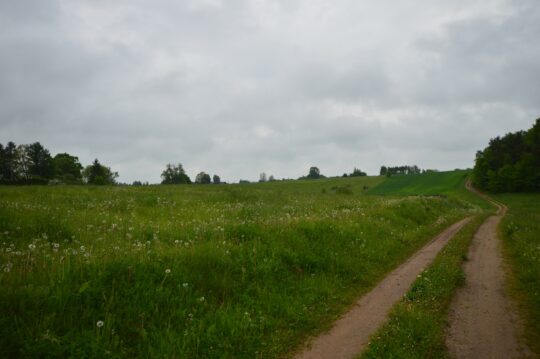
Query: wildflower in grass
{"points": [[185, 285], [167, 271], [100, 323], [32, 246], [201, 299], [7, 267]]}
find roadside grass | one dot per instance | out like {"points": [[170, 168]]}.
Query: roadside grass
{"points": [[243, 271], [416, 325], [520, 230]]}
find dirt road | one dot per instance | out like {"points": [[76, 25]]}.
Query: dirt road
{"points": [[352, 331], [483, 323]]}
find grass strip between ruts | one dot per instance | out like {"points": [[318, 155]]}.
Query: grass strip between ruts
{"points": [[416, 324]]}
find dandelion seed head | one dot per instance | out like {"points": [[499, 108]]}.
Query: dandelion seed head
{"points": [[99, 323], [167, 271]]}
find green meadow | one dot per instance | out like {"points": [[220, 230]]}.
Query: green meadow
{"points": [[217, 271]]}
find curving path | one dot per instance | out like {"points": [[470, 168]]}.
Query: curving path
{"points": [[482, 322]]}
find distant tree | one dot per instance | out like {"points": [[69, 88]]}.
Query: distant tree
{"points": [[243, 181], [262, 177], [399, 170], [137, 183], [202, 178], [174, 175], [314, 173], [21, 165], [345, 175], [67, 168], [216, 179], [97, 174], [7, 164], [41, 163], [357, 173], [271, 178]]}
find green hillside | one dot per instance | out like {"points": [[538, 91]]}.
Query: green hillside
{"points": [[428, 184]]}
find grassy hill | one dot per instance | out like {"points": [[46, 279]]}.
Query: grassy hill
{"points": [[427, 184]]}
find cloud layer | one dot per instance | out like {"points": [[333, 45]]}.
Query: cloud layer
{"points": [[241, 87]]}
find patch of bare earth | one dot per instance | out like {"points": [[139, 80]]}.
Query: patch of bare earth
{"points": [[482, 321], [350, 334]]}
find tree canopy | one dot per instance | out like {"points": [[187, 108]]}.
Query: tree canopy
{"points": [[203, 178], [510, 163], [174, 174], [67, 168], [97, 174]]}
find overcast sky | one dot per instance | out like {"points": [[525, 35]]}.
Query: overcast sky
{"points": [[238, 87]]}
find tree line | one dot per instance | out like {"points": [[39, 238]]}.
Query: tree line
{"points": [[399, 170], [510, 163], [175, 174], [33, 164]]}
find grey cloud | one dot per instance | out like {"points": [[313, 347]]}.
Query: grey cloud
{"points": [[240, 87]]}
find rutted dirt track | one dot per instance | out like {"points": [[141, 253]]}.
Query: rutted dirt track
{"points": [[483, 323], [352, 331]]}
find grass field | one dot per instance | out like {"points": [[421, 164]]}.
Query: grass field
{"points": [[238, 271], [443, 184], [520, 230]]}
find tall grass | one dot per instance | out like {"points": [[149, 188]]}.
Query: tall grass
{"points": [[520, 230], [196, 271]]}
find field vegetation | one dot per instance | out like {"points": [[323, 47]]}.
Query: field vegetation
{"points": [[442, 184], [520, 230], [240, 271]]}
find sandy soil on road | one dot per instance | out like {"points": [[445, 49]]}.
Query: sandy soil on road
{"points": [[350, 334], [483, 323]]}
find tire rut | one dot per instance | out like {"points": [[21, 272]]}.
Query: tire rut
{"points": [[482, 320], [350, 334]]}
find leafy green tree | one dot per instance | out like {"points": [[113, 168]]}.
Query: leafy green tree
{"points": [[67, 168], [262, 177], [97, 174], [202, 178], [216, 179], [510, 163], [41, 164], [314, 173], [174, 175], [357, 173], [8, 157], [383, 171]]}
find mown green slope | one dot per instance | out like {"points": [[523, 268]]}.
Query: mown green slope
{"points": [[427, 184]]}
